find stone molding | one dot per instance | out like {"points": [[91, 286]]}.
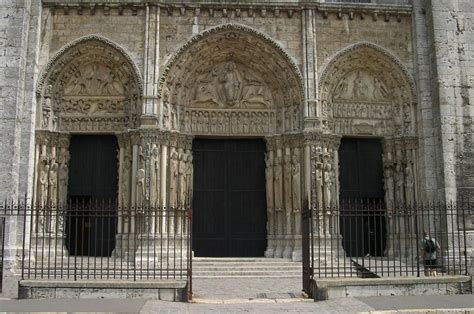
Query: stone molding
{"points": [[231, 27], [69, 50], [335, 58]]}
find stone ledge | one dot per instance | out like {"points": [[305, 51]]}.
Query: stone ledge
{"points": [[325, 289], [338, 282], [110, 284]]}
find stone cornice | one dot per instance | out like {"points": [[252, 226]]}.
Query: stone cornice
{"points": [[275, 8]]}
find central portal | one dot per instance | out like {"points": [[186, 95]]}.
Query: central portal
{"points": [[229, 207]]}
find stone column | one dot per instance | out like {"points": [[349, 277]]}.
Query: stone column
{"points": [[278, 192], [151, 66], [296, 175], [269, 156], [288, 204]]}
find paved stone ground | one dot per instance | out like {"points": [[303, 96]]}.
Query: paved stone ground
{"points": [[247, 288], [250, 295]]}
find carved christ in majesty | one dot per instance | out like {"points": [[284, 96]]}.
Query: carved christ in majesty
{"points": [[230, 84]]}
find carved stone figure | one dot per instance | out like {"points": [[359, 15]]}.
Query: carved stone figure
{"points": [[155, 175], [409, 184], [380, 90], [43, 183], [296, 180], [189, 177], [166, 115], [230, 84], [287, 189], [63, 182], [205, 91], [277, 183], [183, 158], [269, 190], [140, 187], [399, 185], [173, 186], [53, 183], [328, 176], [174, 117], [319, 183], [388, 186], [360, 87], [125, 179]]}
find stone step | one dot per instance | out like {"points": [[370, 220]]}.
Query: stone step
{"points": [[244, 273], [241, 259], [245, 268]]}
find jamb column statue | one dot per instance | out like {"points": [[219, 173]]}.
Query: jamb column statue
{"points": [[270, 205], [296, 255], [319, 193], [278, 187], [53, 195], [327, 177], [296, 184], [288, 204]]}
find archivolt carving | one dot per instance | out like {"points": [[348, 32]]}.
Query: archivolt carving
{"points": [[233, 31], [366, 91], [231, 79], [91, 85]]}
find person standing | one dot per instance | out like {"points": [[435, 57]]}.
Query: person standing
{"points": [[429, 250]]}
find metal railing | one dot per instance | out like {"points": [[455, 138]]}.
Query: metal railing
{"points": [[2, 248], [366, 238], [98, 240]]}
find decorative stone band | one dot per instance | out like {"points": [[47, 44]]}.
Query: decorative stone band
{"points": [[235, 122]]}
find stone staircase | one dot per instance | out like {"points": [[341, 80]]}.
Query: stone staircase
{"points": [[208, 267]]}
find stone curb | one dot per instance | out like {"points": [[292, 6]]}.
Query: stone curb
{"points": [[249, 301], [407, 311]]}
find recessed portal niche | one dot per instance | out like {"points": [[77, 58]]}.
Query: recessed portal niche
{"points": [[92, 193], [229, 206]]}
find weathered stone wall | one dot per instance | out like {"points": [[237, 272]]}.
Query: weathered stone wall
{"points": [[61, 26], [178, 26], [18, 51], [451, 24]]}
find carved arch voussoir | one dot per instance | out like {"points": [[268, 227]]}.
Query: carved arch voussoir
{"points": [[53, 62], [174, 59], [347, 51]]}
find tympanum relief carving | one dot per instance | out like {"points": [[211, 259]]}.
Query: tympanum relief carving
{"points": [[90, 87], [232, 81], [364, 91], [230, 84]]}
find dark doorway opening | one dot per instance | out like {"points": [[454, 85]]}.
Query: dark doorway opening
{"points": [[362, 219], [91, 224], [229, 205]]}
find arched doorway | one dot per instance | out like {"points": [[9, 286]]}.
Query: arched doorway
{"points": [[367, 97], [233, 82], [88, 98]]}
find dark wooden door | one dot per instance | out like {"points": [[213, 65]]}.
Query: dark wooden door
{"points": [[362, 220], [92, 191], [229, 207]]}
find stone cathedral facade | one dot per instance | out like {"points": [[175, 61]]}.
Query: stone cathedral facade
{"points": [[300, 75]]}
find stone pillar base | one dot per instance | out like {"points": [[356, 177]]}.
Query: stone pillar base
{"points": [[270, 251], [289, 243], [297, 254]]}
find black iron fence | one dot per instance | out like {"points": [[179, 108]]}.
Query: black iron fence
{"points": [[366, 238], [2, 249], [99, 240]]}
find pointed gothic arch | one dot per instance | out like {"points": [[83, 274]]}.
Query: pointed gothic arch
{"points": [[366, 90], [91, 84], [231, 75]]}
